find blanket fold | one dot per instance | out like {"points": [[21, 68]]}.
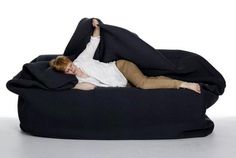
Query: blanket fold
{"points": [[119, 43], [48, 107]]}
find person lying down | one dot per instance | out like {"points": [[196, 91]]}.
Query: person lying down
{"points": [[91, 73]]}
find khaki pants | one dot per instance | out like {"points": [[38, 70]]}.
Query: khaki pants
{"points": [[134, 75]]}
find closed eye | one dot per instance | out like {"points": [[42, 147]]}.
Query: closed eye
{"points": [[68, 68]]}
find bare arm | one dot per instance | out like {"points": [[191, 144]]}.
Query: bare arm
{"points": [[84, 86], [92, 45], [96, 31]]}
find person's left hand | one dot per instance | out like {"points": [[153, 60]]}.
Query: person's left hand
{"points": [[95, 23]]}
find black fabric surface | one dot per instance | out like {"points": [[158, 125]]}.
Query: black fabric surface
{"points": [[117, 43], [47, 105], [115, 113]]}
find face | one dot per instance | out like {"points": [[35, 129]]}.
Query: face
{"points": [[71, 69]]}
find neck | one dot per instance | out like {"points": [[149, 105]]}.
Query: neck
{"points": [[78, 72]]}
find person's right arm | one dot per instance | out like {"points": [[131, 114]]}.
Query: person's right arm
{"points": [[96, 31], [92, 45]]}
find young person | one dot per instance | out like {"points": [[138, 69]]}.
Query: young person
{"points": [[91, 73]]}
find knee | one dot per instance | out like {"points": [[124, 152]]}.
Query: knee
{"points": [[142, 84]]}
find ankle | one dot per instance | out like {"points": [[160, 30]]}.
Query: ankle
{"points": [[183, 85]]}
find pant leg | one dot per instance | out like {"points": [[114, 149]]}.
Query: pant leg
{"points": [[161, 82], [134, 75], [131, 72]]}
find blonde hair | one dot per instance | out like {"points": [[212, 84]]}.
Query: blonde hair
{"points": [[60, 63]]}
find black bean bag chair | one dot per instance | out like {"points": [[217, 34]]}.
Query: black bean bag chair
{"points": [[49, 107]]}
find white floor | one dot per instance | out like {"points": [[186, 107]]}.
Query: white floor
{"points": [[16, 144]]}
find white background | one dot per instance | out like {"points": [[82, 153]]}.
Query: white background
{"points": [[30, 28]]}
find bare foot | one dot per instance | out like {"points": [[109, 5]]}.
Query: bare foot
{"points": [[192, 86]]}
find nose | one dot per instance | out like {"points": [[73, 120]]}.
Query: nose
{"points": [[72, 68]]}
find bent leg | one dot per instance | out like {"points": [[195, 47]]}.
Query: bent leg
{"points": [[131, 72], [138, 79], [161, 82]]}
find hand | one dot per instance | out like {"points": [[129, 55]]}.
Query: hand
{"points": [[192, 86], [95, 23], [84, 86]]}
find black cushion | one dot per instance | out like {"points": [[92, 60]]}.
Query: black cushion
{"points": [[116, 113], [49, 107]]}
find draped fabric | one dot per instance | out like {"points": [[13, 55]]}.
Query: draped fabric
{"points": [[47, 105]]}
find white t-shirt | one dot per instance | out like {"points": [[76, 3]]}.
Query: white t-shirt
{"points": [[101, 74]]}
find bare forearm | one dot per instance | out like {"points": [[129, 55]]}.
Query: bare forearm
{"points": [[95, 24], [96, 32]]}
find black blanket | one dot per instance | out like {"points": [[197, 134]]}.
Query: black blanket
{"points": [[119, 43], [47, 106]]}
